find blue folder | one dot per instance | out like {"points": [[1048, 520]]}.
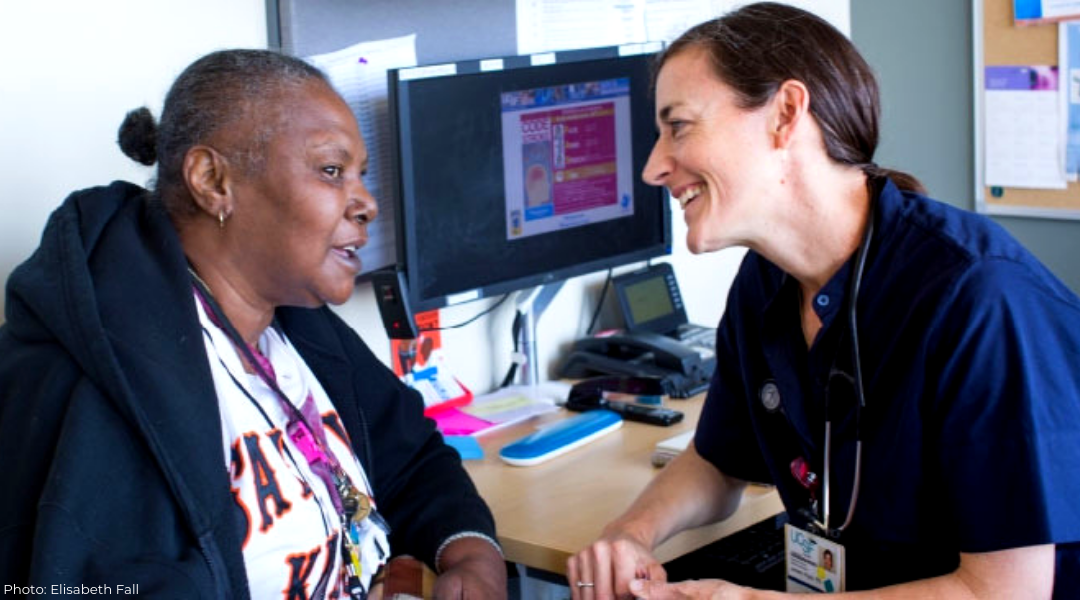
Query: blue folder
{"points": [[560, 438]]}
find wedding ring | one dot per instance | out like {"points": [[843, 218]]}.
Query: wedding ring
{"points": [[582, 584]]}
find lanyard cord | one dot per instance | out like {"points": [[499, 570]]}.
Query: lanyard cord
{"points": [[337, 473], [255, 403], [350, 503], [288, 453]]}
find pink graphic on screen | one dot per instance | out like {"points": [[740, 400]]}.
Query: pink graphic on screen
{"points": [[583, 147]]}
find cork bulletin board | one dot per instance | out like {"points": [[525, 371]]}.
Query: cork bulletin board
{"points": [[998, 41]]}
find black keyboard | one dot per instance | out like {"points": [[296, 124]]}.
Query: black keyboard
{"points": [[752, 557]]}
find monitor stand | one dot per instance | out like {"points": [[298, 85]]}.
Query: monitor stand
{"points": [[532, 303], [528, 396]]}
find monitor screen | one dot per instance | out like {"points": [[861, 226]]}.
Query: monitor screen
{"points": [[525, 170]]}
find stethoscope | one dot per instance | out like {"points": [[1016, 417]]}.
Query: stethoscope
{"points": [[853, 295]]}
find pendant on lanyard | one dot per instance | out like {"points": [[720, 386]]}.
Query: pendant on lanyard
{"points": [[350, 554], [356, 506]]}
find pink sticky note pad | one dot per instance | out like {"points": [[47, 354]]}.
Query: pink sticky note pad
{"points": [[454, 422]]}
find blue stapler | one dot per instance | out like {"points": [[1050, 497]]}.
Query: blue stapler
{"points": [[560, 438]]}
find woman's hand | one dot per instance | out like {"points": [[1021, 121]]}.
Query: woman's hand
{"points": [[610, 564], [471, 568], [687, 493]]}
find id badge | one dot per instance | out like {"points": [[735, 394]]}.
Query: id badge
{"points": [[813, 563]]}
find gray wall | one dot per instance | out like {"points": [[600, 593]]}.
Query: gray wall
{"points": [[922, 53]]}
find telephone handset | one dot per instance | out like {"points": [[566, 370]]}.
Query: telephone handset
{"points": [[684, 370]]}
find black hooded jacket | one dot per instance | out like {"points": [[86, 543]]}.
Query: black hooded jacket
{"points": [[109, 428]]}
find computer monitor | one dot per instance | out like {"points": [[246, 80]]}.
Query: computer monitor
{"points": [[521, 171]]}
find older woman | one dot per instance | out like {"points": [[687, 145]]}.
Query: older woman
{"points": [[912, 357], [178, 408]]}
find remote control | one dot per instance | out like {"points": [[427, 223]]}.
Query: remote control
{"points": [[653, 415]]}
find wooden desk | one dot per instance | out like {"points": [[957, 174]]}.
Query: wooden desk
{"points": [[547, 512]]}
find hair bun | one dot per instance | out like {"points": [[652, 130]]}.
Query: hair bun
{"points": [[138, 136]]}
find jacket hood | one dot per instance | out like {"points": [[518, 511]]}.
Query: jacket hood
{"points": [[109, 284], [52, 297]]}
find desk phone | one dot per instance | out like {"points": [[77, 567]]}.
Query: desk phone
{"points": [[658, 341]]}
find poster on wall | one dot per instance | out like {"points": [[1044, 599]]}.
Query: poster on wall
{"points": [[1069, 70], [1022, 125]]}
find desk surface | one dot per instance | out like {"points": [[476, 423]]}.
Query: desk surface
{"points": [[547, 512]]}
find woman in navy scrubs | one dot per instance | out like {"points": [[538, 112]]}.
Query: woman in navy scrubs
{"points": [[919, 347]]}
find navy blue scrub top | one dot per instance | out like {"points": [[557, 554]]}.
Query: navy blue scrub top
{"points": [[970, 351]]}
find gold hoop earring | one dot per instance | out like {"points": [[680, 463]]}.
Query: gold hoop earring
{"points": [[221, 219]]}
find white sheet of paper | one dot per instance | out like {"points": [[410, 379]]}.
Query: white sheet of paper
{"points": [[549, 25], [358, 73], [1024, 135], [666, 20]]}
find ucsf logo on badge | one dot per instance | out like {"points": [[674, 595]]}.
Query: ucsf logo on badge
{"points": [[800, 540]]}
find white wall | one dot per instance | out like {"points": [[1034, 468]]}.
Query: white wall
{"points": [[479, 354], [72, 69]]}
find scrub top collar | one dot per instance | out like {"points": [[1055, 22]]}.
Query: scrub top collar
{"points": [[829, 300]]}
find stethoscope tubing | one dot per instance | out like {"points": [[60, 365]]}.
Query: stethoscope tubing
{"points": [[853, 295]]}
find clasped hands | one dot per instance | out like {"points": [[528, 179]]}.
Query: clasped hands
{"points": [[618, 566]]}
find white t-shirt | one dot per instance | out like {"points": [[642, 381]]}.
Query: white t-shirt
{"points": [[292, 548]]}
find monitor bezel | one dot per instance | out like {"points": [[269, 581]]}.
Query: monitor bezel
{"points": [[407, 245]]}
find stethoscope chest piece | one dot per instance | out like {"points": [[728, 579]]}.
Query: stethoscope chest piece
{"points": [[770, 396]]}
